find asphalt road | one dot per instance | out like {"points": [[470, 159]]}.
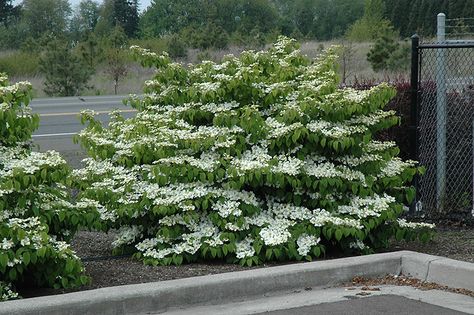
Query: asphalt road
{"points": [[59, 118], [383, 304]]}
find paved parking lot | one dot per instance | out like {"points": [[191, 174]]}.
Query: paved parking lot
{"points": [[382, 304]]}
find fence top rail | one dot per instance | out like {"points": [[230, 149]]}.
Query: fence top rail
{"points": [[467, 44]]}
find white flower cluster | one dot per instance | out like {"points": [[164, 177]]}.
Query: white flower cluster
{"points": [[277, 129], [19, 87], [305, 242], [245, 248], [354, 161], [367, 207], [187, 243], [207, 161], [6, 291], [218, 108], [355, 96], [32, 163], [288, 165], [207, 86], [276, 234], [335, 130], [313, 167], [6, 244], [414, 225], [395, 167], [379, 146], [227, 208], [128, 235], [357, 245], [256, 158], [372, 119]]}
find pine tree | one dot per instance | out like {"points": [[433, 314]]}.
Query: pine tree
{"points": [[380, 54], [66, 74]]}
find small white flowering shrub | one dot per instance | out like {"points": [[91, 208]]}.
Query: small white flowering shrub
{"points": [[258, 158], [36, 215]]}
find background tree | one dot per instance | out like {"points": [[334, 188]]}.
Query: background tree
{"points": [[116, 66], [65, 73], [206, 36], [388, 54], [12, 29], [176, 47], [46, 16], [346, 59], [123, 13], [91, 51], [372, 23], [85, 18], [8, 12]]}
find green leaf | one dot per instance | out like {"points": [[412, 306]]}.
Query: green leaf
{"points": [[64, 282], [69, 266], [26, 258], [323, 142], [3, 261], [399, 235], [41, 252], [12, 274]]}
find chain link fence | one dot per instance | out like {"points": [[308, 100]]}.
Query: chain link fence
{"points": [[446, 143]]}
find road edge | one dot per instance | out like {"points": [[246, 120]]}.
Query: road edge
{"points": [[256, 283]]}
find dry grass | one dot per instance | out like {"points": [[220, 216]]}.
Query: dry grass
{"points": [[101, 83], [357, 67]]}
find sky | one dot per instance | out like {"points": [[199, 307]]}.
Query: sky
{"points": [[143, 3]]}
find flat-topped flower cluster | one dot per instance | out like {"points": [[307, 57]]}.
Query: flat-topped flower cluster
{"points": [[260, 157], [36, 213]]}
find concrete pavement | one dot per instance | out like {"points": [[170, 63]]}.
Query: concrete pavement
{"points": [[384, 304], [389, 300], [288, 286]]}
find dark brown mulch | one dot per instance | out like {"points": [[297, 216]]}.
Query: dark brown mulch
{"points": [[452, 242], [95, 249]]}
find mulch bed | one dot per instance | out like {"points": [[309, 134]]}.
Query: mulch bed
{"points": [[95, 249]]}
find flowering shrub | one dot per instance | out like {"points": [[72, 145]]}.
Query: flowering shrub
{"points": [[36, 216], [259, 158]]}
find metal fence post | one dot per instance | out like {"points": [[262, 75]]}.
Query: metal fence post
{"points": [[441, 116], [415, 42]]}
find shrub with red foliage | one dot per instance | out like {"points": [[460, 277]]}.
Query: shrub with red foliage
{"points": [[401, 104]]}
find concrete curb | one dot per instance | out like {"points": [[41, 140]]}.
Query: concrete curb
{"points": [[445, 271], [257, 283]]}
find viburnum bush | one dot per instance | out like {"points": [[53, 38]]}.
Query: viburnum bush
{"points": [[37, 217], [261, 157]]}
